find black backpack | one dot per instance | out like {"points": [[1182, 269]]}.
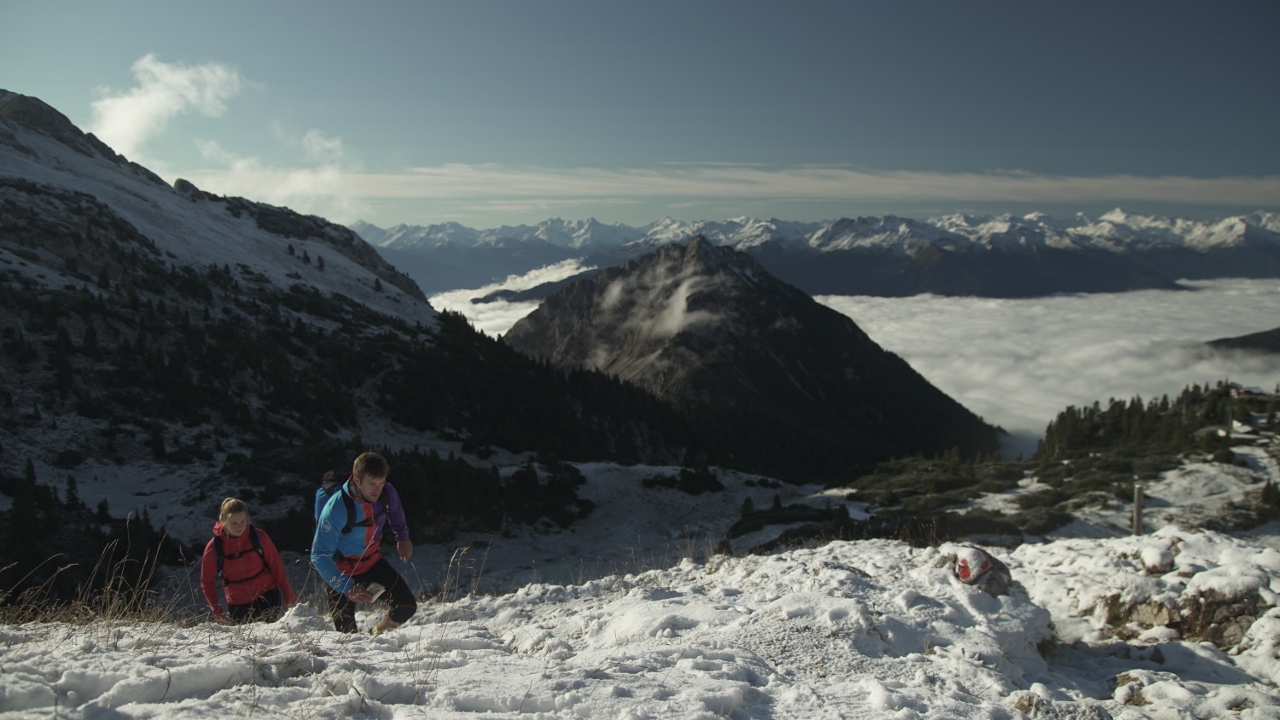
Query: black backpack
{"points": [[332, 482], [221, 555]]}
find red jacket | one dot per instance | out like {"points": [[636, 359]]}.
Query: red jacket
{"points": [[244, 575]]}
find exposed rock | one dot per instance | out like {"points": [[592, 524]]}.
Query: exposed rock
{"points": [[1210, 616], [35, 114], [1034, 705], [1218, 618], [1129, 690]]}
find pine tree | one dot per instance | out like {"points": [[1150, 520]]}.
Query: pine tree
{"points": [[72, 494], [1270, 495], [89, 343]]}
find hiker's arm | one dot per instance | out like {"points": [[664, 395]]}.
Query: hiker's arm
{"points": [[395, 513], [399, 528], [208, 580]]}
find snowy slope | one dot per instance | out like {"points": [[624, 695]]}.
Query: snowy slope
{"points": [[190, 227], [1101, 628], [856, 630]]}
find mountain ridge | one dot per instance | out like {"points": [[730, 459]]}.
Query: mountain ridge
{"points": [[958, 254], [45, 155], [1114, 231]]}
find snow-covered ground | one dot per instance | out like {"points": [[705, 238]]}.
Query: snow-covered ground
{"points": [[606, 621], [870, 629]]}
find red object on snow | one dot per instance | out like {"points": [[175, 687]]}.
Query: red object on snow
{"points": [[974, 566]]}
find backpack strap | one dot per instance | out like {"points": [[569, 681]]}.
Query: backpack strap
{"points": [[351, 510], [350, 504], [220, 553], [336, 481]]}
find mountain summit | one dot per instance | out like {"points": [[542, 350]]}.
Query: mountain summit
{"points": [[798, 387]]}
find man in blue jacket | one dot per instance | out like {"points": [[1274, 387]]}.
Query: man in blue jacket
{"points": [[347, 549]]}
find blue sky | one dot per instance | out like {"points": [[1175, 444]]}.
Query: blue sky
{"points": [[491, 113]]}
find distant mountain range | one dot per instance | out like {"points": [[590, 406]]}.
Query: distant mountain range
{"points": [[1003, 256]]}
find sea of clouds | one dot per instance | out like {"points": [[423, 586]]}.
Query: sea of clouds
{"points": [[1018, 363]]}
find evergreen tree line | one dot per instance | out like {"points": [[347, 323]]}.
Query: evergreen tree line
{"points": [[442, 495], [1186, 423], [62, 550]]}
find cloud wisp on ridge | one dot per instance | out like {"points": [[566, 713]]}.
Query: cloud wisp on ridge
{"points": [[127, 120]]}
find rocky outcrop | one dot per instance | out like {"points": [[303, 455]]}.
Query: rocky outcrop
{"points": [[34, 114], [1198, 586]]}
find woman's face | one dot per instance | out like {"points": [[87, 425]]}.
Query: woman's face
{"points": [[236, 524]]}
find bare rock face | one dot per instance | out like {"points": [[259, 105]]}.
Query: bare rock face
{"points": [[1210, 616], [35, 114], [708, 329]]}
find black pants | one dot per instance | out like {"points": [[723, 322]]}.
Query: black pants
{"points": [[265, 607], [397, 595]]}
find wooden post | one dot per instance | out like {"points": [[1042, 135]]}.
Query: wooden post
{"points": [[1137, 509]]}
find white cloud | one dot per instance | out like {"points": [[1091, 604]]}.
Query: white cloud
{"points": [[322, 148], [126, 121], [495, 318], [314, 190], [501, 187]]}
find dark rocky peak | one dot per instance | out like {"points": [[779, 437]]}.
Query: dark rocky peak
{"points": [[626, 320], [799, 387], [34, 114]]}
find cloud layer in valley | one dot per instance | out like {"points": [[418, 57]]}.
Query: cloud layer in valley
{"points": [[1018, 363], [495, 318]]}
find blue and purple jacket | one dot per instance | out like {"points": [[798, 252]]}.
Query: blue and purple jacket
{"points": [[337, 556]]}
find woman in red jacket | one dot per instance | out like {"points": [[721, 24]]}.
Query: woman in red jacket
{"points": [[253, 578]]}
